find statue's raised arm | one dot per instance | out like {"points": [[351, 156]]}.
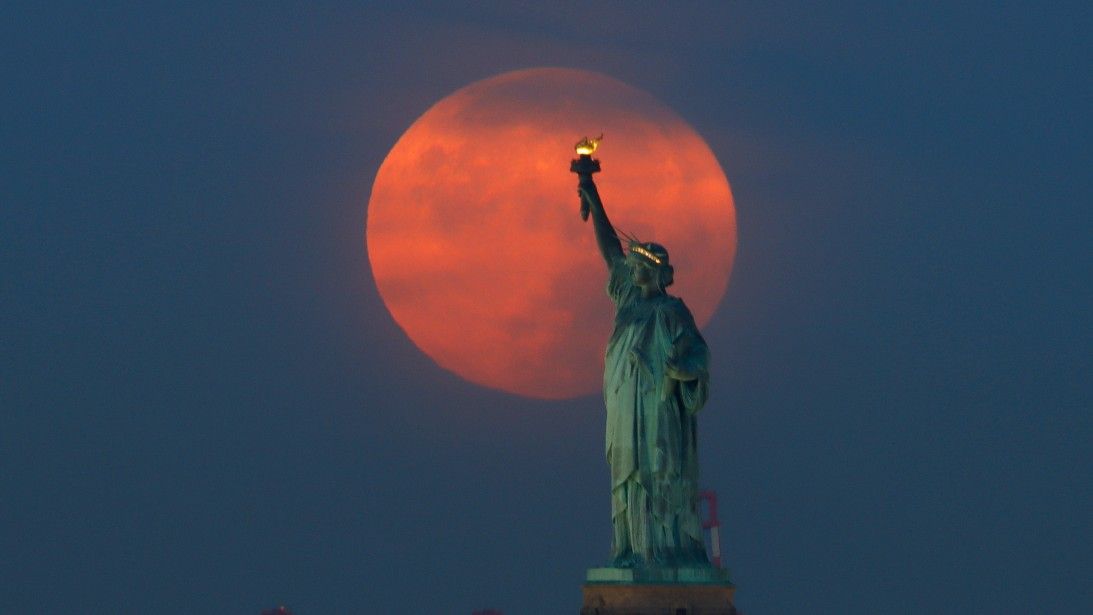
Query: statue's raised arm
{"points": [[584, 167]]}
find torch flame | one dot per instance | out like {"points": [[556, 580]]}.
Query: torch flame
{"points": [[586, 146]]}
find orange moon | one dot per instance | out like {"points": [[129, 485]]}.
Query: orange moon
{"points": [[476, 241]]}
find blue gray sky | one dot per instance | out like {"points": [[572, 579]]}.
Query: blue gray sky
{"points": [[205, 407]]}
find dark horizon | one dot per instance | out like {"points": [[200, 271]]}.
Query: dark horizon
{"points": [[205, 405]]}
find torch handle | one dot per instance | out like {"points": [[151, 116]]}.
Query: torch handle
{"points": [[584, 167]]}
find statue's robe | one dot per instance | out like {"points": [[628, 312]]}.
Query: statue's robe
{"points": [[651, 439]]}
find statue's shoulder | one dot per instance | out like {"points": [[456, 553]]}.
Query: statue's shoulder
{"points": [[673, 304], [676, 310]]}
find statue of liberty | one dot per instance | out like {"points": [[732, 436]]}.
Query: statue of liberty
{"points": [[655, 381]]}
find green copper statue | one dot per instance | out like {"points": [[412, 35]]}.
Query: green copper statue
{"points": [[655, 381]]}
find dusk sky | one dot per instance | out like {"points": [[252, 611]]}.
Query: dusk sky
{"points": [[205, 406]]}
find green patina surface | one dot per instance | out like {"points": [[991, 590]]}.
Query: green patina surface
{"points": [[655, 382]]}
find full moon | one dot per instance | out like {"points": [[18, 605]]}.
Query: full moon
{"points": [[477, 245]]}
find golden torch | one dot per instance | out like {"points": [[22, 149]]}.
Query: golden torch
{"points": [[585, 165]]}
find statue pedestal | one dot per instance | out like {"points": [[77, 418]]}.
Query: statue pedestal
{"points": [[658, 591]]}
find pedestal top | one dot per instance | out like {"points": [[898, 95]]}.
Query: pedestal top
{"points": [[687, 576]]}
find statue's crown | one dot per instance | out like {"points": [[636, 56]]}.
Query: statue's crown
{"points": [[651, 252]]}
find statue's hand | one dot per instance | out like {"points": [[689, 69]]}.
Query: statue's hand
{"points": [[675, 372]]}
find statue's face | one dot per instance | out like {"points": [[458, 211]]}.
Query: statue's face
{"points": [[644, 272], [641, 272]]}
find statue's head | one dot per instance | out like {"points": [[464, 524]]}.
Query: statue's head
{"points": [[649, 264]]}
